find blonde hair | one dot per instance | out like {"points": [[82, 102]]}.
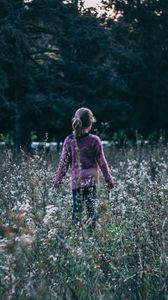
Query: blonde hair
{"points": [[83, 118]]}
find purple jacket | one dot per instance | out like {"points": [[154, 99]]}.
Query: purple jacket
{"points": [[84, 156]]}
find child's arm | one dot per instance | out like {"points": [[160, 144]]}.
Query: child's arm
{"points": [[63, 164], [103, 165]]}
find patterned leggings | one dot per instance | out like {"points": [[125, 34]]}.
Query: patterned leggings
{"points": [[84, 196]]}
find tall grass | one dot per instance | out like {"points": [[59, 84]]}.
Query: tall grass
{"points": [[42, 256]]}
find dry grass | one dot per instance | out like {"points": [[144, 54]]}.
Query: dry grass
{"points": [[43, 257]]}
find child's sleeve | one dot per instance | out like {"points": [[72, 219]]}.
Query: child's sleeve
{"points": [[102, 162], [63, 164]]}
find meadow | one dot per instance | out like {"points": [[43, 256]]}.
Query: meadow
{"points": [[42, 256]]}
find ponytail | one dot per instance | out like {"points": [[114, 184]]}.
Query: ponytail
{"points": [[77, 126], [82, 119]]}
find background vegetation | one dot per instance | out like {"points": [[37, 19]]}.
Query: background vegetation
{"points": [[56, 56]]}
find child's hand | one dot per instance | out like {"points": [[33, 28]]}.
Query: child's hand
{"points": [[110, 185]]}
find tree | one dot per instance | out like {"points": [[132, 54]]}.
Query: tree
{"points": [[141, 32], [14, 74], [58, 58]]}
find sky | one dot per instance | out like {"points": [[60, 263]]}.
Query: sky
{"points": [[88, 3]]}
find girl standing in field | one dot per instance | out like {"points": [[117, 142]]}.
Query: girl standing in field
{"points": [[83, 153]]}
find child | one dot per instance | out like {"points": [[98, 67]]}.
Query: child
{"points": [[83, 152]]}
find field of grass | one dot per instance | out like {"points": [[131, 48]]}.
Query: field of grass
{"points": [[42, 256]]}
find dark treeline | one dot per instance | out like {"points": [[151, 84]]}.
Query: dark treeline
{"points": [[56, 56]]}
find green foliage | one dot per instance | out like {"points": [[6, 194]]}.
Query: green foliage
{"points": [[7, 138], [33, 136], [140, 32], [56, 56], [53, 66], [119, 135]]}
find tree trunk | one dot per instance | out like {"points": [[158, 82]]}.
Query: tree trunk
{"points": [[18, 139]]}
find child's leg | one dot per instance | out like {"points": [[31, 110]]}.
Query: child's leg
{"points": [[77, 205], [90, 197]]}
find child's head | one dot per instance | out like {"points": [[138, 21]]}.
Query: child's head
{"points": [[82, 121]]}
